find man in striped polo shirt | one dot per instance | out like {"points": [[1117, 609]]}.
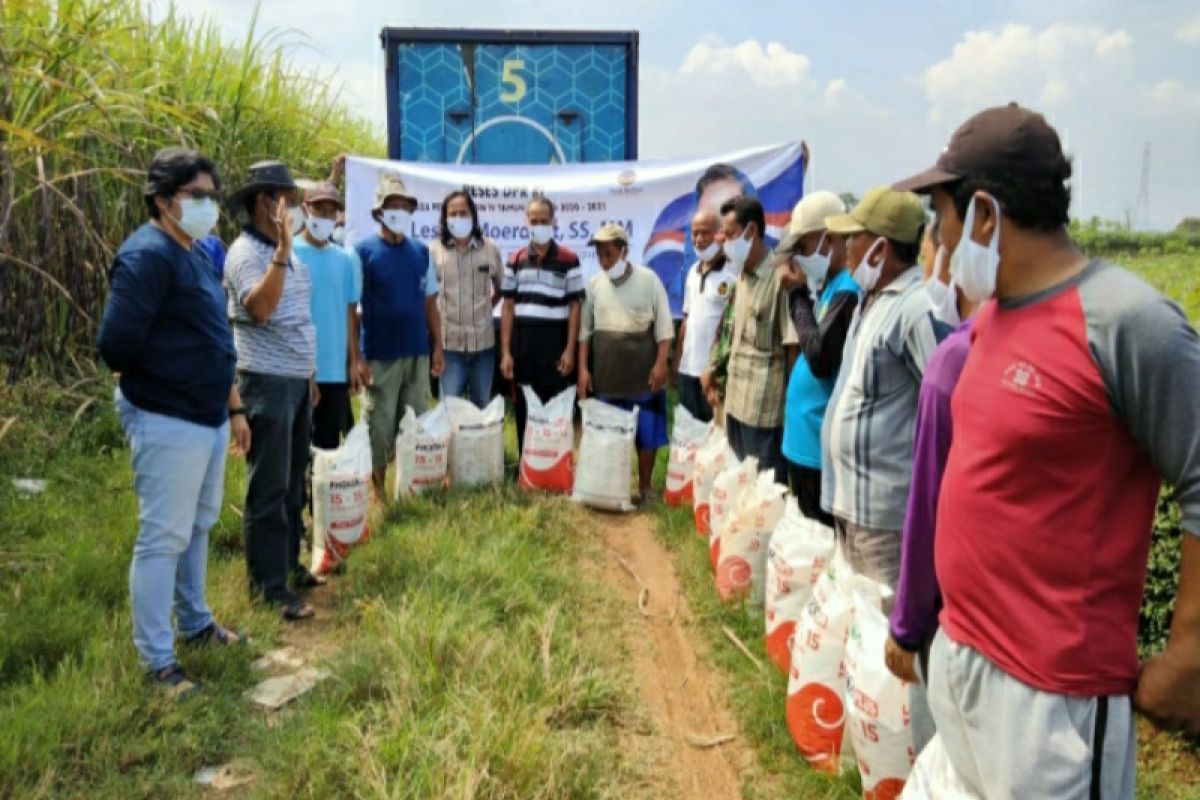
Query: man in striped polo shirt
{"points": [[269, 294], [867, 436], [539, 327]]}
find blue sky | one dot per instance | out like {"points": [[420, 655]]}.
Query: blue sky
{"points": [[875, 88]]}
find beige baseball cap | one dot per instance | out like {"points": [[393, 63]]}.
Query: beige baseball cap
{"points": [[899, 216], [612, 232], [809, 215]]}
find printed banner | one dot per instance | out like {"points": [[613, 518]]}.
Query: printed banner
{"points": [[653, 200]]}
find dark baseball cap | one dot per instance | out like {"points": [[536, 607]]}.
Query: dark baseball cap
{"points": [[996, 143]]}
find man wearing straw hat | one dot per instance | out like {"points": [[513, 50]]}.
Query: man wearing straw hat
{"points": [[402, 329]]}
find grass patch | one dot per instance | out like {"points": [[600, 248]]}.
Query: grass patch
{"points": [[438, 687]]}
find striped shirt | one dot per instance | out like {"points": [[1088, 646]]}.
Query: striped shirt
{"points": [[867, 436], [468, 279], [543, 287], [757, 366], [286, 344]]}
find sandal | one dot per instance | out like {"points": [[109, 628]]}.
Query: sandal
{"points": [[174, 683], [297, 611], [215, 636], [304, 579]]}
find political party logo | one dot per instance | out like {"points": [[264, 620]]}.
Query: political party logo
{"points": [[627, 177], [723, 289], [1023, 378]]}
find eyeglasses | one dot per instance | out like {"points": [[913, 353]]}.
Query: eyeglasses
{"points": [[202, 194]]}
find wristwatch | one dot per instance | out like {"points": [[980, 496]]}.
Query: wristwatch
{"points": [[239, 411]]}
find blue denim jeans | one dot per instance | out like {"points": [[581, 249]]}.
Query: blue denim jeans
{"points": [[469, 375], [179, 476]]}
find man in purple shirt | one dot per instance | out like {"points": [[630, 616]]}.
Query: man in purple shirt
{"points": [[914, 618]]}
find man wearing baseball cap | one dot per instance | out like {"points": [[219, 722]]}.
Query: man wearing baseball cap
{"points": [[822, 297], [625, 334], [335, 296], [401, 326], [1076, 400], [867, 433]]}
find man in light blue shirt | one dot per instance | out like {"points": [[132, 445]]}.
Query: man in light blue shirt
{"points": [[335, 294]]}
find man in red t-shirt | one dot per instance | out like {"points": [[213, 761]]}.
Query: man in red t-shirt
{"points": [[1077, 399]]}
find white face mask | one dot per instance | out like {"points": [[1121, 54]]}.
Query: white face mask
{"points": [[197, 217], [815, 267], [320, 228], [943, 299], [460, 227], [397, 220], [339, 235], [708, 253], [541, 234], [866, 275], [737, 250], [973, 266], [618, 270], [296, 219]]}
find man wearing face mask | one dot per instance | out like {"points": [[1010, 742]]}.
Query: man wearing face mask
{"points": [[542, 289], [401, 325], [762, 346], [1076, 400], [625, 338], [270, 305], [867, 433], [707, 290], [335, 295], [823, 297], [164, 330]]}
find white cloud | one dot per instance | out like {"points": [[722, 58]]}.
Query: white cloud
{"points": [[1114, 43], [1190, 31], [773, 66]]}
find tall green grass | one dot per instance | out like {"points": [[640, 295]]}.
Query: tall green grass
{"points": [[91, 89]]}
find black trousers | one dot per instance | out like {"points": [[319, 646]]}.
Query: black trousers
{"points": [[691, 397], [332, 417], [536, 351], [279, 412], [805, 484]]}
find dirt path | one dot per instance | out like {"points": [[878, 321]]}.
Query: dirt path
{"points": [[682, 692]]}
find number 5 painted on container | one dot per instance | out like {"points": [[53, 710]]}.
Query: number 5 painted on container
{"points": [[509, 77]]}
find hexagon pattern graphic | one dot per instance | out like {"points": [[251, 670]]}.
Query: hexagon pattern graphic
{"points": [[534, 104]]}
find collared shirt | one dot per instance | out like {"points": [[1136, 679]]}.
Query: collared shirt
{"points": [[867, 437], [286, 344], [704, 299], [542, 288], [757, 367], [468, 279]]}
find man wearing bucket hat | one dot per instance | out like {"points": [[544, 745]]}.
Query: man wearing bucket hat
{"points": [[269, 293], [401, 327], [335, 294], [823, 297], [1076, 400], [867, 433], [625, 334]]}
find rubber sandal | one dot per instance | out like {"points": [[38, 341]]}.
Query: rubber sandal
{"points": [[304, 579], [215, 636], [297, 611], [174, 682]]}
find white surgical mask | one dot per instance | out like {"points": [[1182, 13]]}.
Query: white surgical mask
{"points": [[198, 217], [320, 228], [737, 250], [460, 227], [618, 271], [866, 275], [709, 253], [397, 220], [973, 266], [815, 267], [339, 234], [296, 219], [943, 299], [541, 234]]}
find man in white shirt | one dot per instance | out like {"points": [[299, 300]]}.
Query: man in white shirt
{"points": [[707, 291]]}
